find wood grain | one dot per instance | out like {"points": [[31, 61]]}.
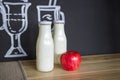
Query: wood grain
{"points": [[93, 67]]}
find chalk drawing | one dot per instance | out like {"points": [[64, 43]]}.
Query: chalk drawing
{"points": [[51, 7], [15, 49], [50, 12]]}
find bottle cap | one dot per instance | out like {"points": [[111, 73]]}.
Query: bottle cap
{"points": [[59, 22], [45, 22]]}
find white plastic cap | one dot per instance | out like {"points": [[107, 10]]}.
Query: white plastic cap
{"points": [[45, 22], [59, 22]]}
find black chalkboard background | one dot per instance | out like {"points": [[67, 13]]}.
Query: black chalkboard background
{"points": [[92, 27]]}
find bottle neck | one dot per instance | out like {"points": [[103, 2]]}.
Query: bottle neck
{"points": [[59, 28], [45, 30]]}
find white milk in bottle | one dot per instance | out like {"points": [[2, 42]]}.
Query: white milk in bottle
{"points": [[60, 41], [45, 48]]}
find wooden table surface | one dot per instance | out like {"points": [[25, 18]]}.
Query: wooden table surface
{"points": [[93, 67]]}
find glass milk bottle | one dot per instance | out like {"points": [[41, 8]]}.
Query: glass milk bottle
{"points": [[45, 48], [60, 41]]}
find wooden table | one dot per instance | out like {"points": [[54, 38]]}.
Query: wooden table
{"points": [[94, 67]]}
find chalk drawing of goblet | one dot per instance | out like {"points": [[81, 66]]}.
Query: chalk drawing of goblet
{"points": [[16, 24]]}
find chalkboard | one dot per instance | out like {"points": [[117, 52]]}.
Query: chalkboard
{"points": [[91, 26]]}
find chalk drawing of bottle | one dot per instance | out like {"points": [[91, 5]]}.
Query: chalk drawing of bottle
{"points": [[48, 12]]}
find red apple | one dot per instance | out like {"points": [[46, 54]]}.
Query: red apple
{"points": [[70, 60]]}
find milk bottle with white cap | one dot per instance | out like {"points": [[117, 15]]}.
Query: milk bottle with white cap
{"points": [[45, 48], [60, 41]]}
